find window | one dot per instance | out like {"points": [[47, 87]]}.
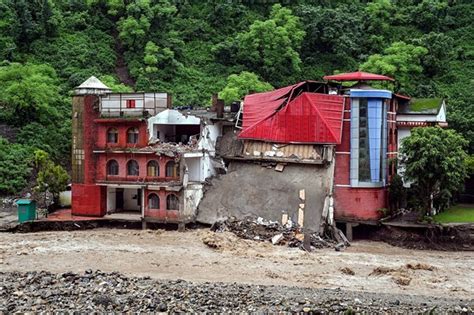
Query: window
{"points": [[153, 169], [369, 137], [153, 201], [112, 167], [172, 169], [172, 202], [112, 135], [132, 135], [130, 103], [132, 168]]}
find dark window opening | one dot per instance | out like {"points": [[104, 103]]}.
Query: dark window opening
{"points": [[132, 135], [172, 202], [112, 135], [153, 201], [112, 167], [364, 160], [132, 168]]}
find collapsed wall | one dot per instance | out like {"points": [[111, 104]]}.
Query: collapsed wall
{"points": [[250, 189]]}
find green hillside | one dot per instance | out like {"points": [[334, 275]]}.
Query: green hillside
{"points": [[190, 48]]}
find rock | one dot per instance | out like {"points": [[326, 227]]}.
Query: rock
{"points": [[162, 307]]}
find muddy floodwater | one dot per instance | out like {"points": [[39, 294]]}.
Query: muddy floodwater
{"points": [[365, 266]]}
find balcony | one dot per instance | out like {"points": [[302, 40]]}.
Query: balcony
{"points": [[133, 104]]}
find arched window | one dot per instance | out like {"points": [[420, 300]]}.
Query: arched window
{"points": [[153, 201], [132, 135], [172, 169], [172, 202], [153, 169], [112, 135], [132, 168], [112, 167]]}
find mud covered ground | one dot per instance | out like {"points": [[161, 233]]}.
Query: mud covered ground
{"points": [[418, 278]]}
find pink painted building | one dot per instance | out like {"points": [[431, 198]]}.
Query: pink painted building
{"points": [[133, 154]]}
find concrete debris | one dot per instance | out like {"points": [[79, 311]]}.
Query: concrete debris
{"points": [[280, 167], [277, 239], [270, 231]]}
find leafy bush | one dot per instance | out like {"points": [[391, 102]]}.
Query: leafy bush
{"points": [[15, 167]]}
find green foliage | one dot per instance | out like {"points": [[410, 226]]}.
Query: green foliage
{"points": [[469, 163], [114, 85], [396, 193], [15, 162], [51, 177], [423, 104], [54, 139], [401, 61], [240, 85], [28, 93], [271, 47], [434, 160], [190, 48], [456, 214]]}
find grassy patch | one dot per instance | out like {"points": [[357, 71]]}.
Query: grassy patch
{"points": [[422, 104], [459, 213]]}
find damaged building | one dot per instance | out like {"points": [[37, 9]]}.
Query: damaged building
{"points": [[314, 151], [303, 154], [132, 153]]}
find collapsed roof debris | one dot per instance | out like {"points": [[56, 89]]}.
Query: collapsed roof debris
{"points": [[290, 234]]}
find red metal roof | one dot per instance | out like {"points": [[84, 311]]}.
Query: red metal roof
{"points": [[358, 76], [308, 118]]}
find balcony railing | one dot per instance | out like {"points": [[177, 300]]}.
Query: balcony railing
{"points": [[133, 104]]}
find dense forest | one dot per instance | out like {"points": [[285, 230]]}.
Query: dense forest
{"points": [[195, 48]]}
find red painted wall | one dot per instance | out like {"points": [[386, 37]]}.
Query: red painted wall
{"points": [[162, 213], [86, 198], [354, 203], [142, 160], [89, 200], [122, 126], [359, 203]]}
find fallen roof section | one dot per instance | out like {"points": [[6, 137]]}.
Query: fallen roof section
{"points": [[307, 118]]}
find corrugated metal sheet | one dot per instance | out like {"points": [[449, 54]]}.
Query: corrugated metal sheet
{"points": [[265, 149], [309, 118]]}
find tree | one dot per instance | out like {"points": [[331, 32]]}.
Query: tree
{"points": [[51, 177], [15, 167], [241, 85], [434, 160], [271, 47], [401, 61], [28, 93]]}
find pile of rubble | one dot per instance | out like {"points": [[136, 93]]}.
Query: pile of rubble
{"points": [[170, 149], [290, 234]]}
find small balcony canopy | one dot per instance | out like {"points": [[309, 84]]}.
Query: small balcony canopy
{"points": [[357, 76]]}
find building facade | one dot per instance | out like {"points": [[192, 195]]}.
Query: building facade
{"points": [[133, 154]]}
